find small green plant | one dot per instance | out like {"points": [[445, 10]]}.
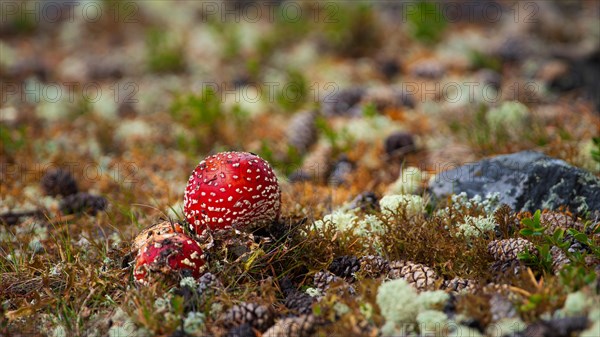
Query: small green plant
{"points": [[285, 31], [352, 29], [162, 54], [575, 274], [480, 60], [596, 150], [533, 226], [426, 22], [285, 164], [369, 110], [339, 141], [294, 93], [540, 261], [204, 114], [197, 110], [12, 140], [23, 23], [585, 239]]}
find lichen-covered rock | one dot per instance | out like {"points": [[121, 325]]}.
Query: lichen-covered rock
{"points": [[558, 327], [526, 181], [501, 308]]}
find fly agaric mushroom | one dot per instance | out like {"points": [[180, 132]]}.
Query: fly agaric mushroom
{"points": [[162, 229], [232, 189], [167, 256]]}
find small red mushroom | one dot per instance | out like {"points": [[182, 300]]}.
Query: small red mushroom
{"points": [[161, 229], [232, 189], [168, 256]]}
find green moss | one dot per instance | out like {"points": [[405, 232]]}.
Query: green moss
{"points": [[351, 29], [426, 23], [162, 53]]}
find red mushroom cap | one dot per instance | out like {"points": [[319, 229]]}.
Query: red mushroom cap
{"points": [[232, 189], [168, 256]]}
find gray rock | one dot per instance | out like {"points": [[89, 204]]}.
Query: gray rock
{"points": [[501, 307], [526, 181]]}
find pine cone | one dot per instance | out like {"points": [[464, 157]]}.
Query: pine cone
{"points": [[430, 69], [344, 266], [302, 131], [554, 220], [559, 259], [384, 98], [300, 302], [258, 316], [83, 202], [512, 49], [315, 166], [299, 326], [459, 284], [374, 266], [578, 247], [399, 144], [342, 102], [509, 267], [294, 299], [508, 249], [244, 330], [389, 68], [418, 275], [59, 182], [341, 171], [195, 297], [323, 279], [207, 282]]}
